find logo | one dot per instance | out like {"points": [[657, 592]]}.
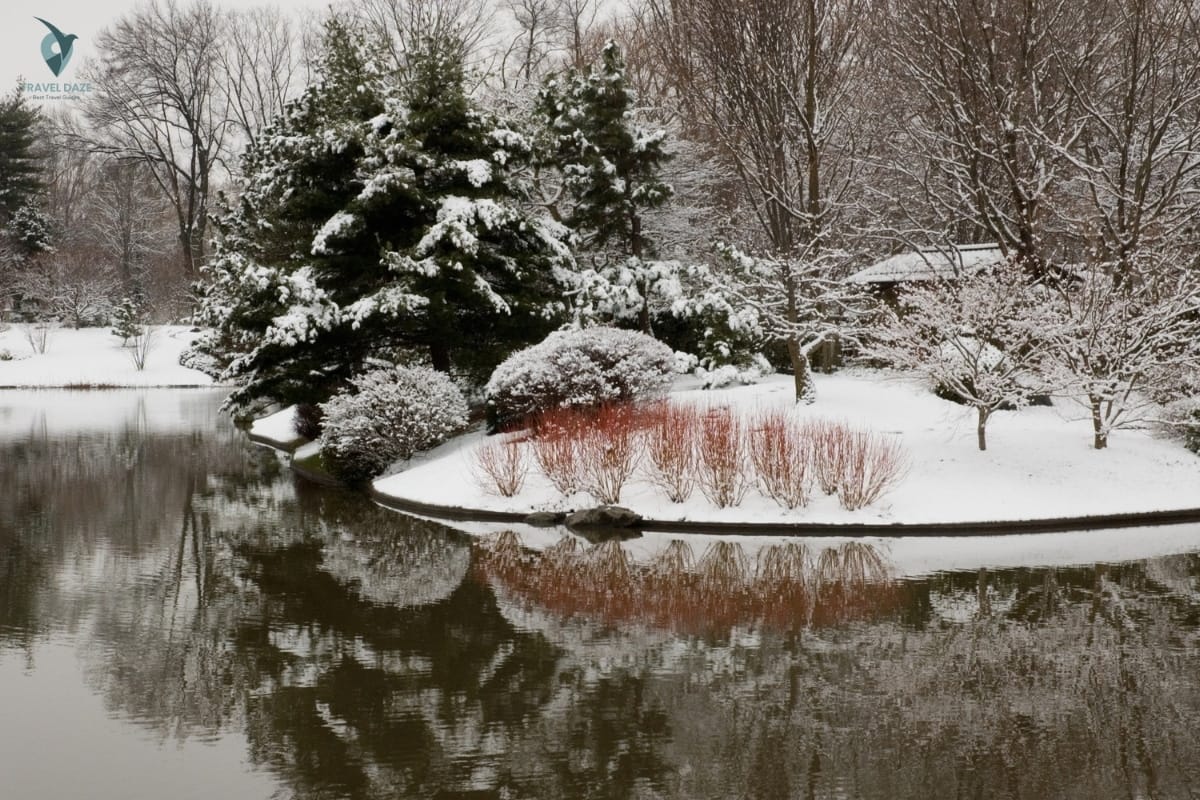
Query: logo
{"points": [[57, 61]]}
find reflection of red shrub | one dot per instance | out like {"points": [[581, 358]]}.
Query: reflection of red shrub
{"points": [[502, 465], [609, 451], [670, 436], [782, 455], [556, 436], [723, 475], [791, 589], [870, 465]]}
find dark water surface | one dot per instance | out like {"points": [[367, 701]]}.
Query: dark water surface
{"points": [[179, 617]]}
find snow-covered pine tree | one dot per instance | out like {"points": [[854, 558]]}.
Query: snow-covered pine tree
{"points": [[20, 168], [263, 282], [488, 273], [611, 168], [24, 227], [376, 218], [126, 320]]}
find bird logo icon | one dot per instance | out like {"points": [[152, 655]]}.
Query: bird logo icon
{"points": [[57, 61]]}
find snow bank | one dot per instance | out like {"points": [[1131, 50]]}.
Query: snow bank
{"points": [[94, 357], [278, 429], [1039, 464]]}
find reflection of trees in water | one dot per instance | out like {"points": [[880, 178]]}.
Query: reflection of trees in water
{"points": [[342, 640], [79, 504], [788, 587], [1095, 697]]}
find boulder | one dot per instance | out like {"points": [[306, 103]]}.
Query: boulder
{"points": [[603, 517]]}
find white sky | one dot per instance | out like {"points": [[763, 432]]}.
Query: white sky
{"points": [[21, 35]]}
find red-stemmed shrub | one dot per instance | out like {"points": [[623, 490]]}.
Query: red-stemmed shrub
{"points": [[609, 450], [501, 465], [670, 435], [781, 453], [829, 452], [556, 437], [722, 474], [871, 464]]}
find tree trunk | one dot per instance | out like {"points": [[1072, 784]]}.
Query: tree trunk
{"points": [[981, 427], [1099, 434], [439, 354], [805, 391]]}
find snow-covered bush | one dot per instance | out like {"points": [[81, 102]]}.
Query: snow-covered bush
{"points": [[391, 414], [586, 367], [744, 374]]}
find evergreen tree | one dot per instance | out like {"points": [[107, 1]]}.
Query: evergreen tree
{"points": [[127, 320], [378, 220], [611, 169], [20, 162]]}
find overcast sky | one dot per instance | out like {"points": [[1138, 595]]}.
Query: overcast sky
{"points": [[21, 35]]}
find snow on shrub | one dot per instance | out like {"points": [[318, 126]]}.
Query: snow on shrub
{"points": [[391, 414], [501, 466], [586, 367]]}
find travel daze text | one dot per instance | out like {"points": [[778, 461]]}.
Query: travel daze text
{"points": [[44, 88]]}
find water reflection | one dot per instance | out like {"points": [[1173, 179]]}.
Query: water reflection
{"points": [[347, 651]]}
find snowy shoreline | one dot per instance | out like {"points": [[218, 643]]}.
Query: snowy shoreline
{"points": [[93, 358], [1039, 468]]}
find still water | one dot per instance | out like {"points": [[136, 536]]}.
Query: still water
{"points": [[180, 617]]}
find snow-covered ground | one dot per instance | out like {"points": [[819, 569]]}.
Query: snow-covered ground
{"points": [[95, 357], [1039, 464], [278, 429]]}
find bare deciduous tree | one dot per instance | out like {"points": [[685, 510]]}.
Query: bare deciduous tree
{"points": [[128, 223], [1137, 158], [158, 102], [985, 111], [262, 66], [771, 85]]}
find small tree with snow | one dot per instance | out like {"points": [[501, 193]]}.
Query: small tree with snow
{"points": [[126, 320], [797, 301], [389, 414], [983, 338], [1121, 341], [611, 169], [581, 368]]}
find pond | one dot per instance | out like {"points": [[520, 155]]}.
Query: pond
{"points": [[181, 617]]}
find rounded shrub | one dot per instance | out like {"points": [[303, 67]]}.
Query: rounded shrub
{"points": [[586, 367], [390, 414]]}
